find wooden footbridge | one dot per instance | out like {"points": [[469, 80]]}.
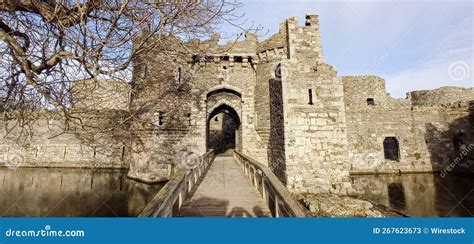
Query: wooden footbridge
{"points": [[224, 186]]}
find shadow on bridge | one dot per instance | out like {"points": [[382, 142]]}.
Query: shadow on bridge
{"points": [[213, 207], [223, 191]]}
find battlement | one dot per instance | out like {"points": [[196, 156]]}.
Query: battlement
{"points": [[292, 41]]}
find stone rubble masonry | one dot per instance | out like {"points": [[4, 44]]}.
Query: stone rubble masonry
{"points": [[46, 144], [101, 94], [440, 96], [426, 124], [311, 126]]}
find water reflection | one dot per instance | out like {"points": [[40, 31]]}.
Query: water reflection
{"points": [[71, 192], [420, 195], [396, 196]]}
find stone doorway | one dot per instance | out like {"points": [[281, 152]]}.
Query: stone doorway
{"points": [[223, 129]]}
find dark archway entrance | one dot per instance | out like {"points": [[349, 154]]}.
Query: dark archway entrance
{"points": [[223, 129]]}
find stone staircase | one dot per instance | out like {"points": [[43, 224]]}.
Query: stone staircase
{"points": [[258, 140]]}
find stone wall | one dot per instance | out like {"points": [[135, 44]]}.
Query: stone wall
{"points": [[358, 89], [101, 94], [425, 133], [440, 96], [42, 139], [44, 142], [449, 137]]}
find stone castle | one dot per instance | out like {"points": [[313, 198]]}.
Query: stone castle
{"points": [[277, 101]]}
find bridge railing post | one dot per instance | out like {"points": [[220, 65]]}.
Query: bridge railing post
{"points": [[254, 177], [263, 188], [168, 201]]}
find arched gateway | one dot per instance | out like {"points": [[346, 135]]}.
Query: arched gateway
{"points": [[223, 123], [223, 129]]}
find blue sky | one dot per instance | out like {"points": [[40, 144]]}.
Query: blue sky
{"points": [[414, 45]]}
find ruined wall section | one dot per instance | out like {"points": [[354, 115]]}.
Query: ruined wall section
{"points": [[440, 96], [424, 133], [359, 89], [304, 42], [370, 123]]}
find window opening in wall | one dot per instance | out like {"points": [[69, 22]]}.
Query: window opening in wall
{"points": [[370, 101], [391, 148], [160, 118], [189, 118], [310, 96]]}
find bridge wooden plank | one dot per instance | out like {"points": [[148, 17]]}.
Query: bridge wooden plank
{"points": [[225, 192]]}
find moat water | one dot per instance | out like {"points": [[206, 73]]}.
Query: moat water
{"points": [[420, 195], [39, 192]]}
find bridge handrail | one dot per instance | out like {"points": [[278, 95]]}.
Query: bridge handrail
{"points": [[168, 201], [278, 198]]}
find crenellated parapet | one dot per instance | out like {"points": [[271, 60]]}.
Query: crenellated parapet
{"points": [[292, 41], [226, 61]]}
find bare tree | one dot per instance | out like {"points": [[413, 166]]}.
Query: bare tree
{"points": [[46, 46]]}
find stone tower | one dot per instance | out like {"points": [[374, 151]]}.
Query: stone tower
{"points": [[308, 140]]}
